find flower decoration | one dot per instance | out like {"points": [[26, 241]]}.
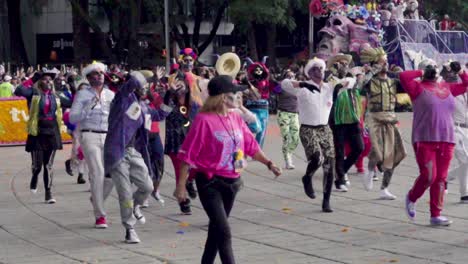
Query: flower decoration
{"points": [[316, 8]]}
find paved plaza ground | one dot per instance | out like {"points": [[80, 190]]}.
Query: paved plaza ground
{"points": [[272, 221]]}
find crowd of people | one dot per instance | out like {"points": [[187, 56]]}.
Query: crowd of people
{"points": [[339, 111]]}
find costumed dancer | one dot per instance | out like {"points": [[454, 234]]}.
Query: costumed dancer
{"points": [[433, 134], [344, 118], [43, 127], [126, 154], [216, 146], [314, 100], [258, 76], [154, 99], [184, 96], [91, 110], [358, 73], [387, 145], [288, 120], [76, 160], [460, 117]]}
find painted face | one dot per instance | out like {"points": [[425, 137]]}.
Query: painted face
{"points": [[96, 79], [187, 64], [316, 72], [142, 92], [233, 100], [342, 68], [383, 64], [46, 83], [258, 72]]}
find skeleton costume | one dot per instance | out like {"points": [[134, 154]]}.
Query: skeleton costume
{"points": [[186, 101], [45, 119], [314, 104], [433, 134], [258, 75], [387, 145]]}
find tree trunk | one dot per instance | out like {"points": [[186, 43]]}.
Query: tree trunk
{"points": [[101, 37], [271, 45], [81, 36], [134, 47], [197, 22], [214, 29], [252, 43], [18, 51]]}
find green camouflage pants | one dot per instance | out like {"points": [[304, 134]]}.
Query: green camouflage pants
{"points": [[289, 127]]}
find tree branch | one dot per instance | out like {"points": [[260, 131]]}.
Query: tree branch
{"points": [[214, 29], [197, 22], [76, 5]]}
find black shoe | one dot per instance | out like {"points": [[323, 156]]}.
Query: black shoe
{"points": [[185, 207], [464, 199], [80, 179], [326, 207], [191, 189], [68, 168], [48, 197], [308, 188]]}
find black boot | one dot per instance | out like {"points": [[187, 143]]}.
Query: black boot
{"points": [[68, 167], [308, 188], [185, 207], [328, 176], [191, 189], [80, 179], [326, 203], [49, 199]]}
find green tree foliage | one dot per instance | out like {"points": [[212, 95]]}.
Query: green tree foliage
{"points": [[456, 9]]}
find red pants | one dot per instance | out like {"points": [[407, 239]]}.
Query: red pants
{"points": [[433, 160], [367, 148]]}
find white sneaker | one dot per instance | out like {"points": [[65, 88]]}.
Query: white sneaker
{"points": [[138, 215], [385, 194], [342, 188], [131, 237], [33, 191], [347, 182], [368, 181], [157, 197], [145, 204], [289, 162]]}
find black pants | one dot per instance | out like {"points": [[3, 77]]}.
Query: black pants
{"points": [[217, 197], [42, 158], [156, 151], [351, 134]]}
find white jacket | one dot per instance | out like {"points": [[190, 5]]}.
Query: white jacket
{"points": [[314, 108]]}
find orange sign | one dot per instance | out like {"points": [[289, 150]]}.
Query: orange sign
{"points": [[14, 115]]}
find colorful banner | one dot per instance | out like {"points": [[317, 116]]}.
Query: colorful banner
{"points": [[14, 115]]}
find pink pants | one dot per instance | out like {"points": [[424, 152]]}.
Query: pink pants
{"points": [[176, 162], [433, 160]]}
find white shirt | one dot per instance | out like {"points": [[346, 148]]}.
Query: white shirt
{"points": [[460, 115], [314, 108]]}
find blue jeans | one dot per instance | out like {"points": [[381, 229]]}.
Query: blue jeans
{"points": [[260, 109]]}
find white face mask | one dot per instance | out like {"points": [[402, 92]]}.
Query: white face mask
{"points": [[233, 100]]}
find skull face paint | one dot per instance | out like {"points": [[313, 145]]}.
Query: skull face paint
{"points": [[46, 83], [233, 100], [187, 64]]}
